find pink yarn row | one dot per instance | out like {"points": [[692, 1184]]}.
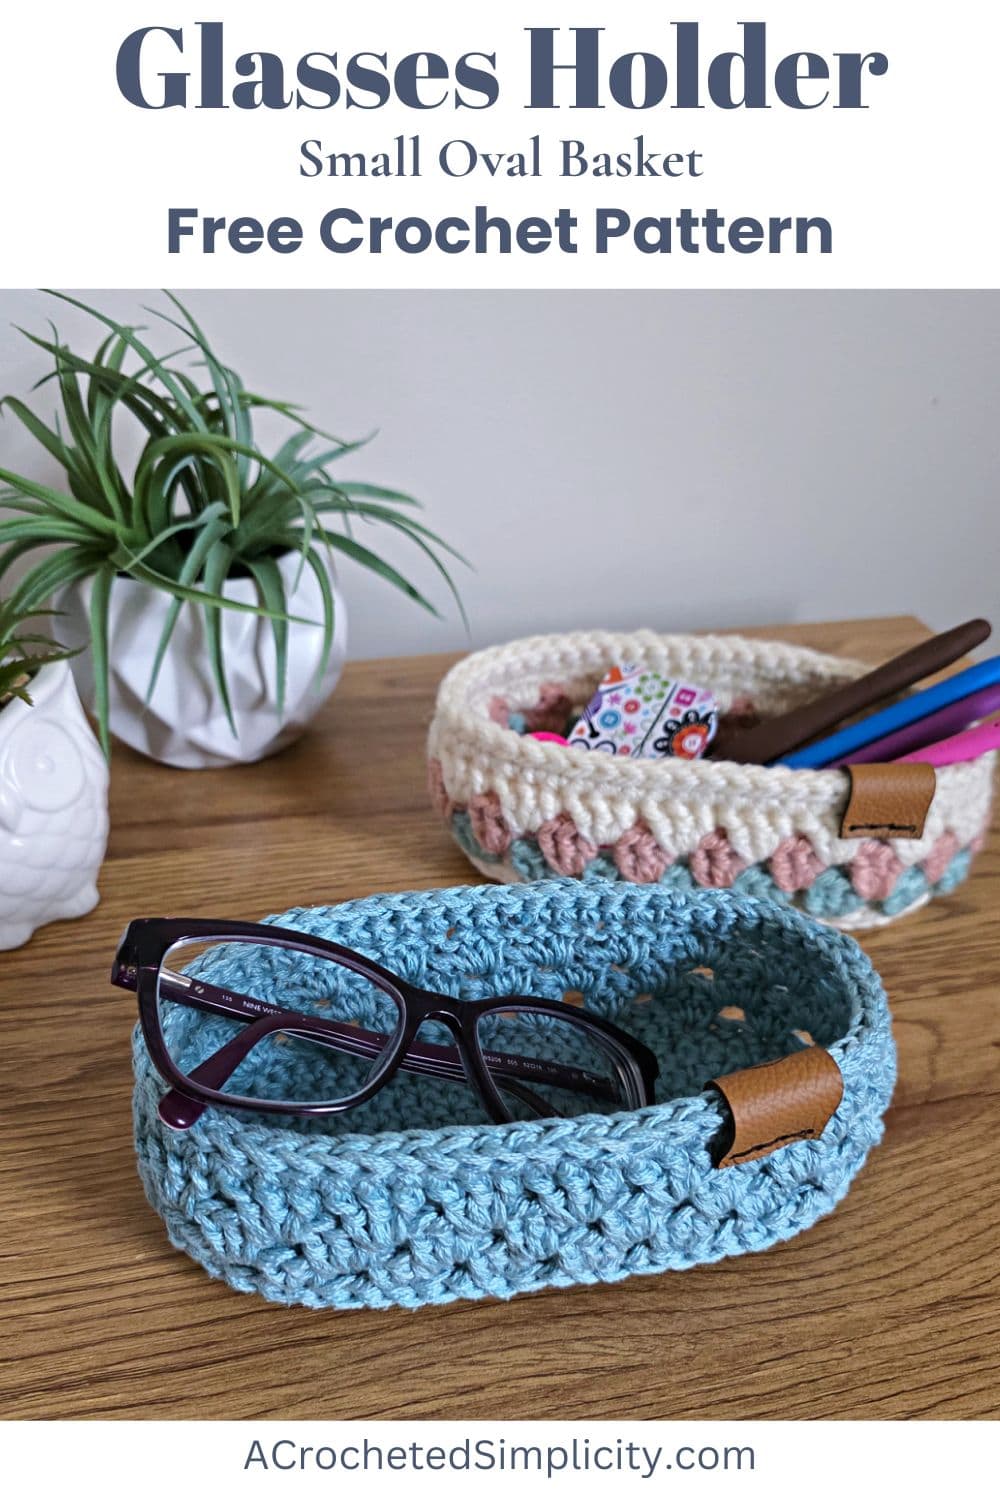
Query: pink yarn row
{"points": [[794, 865], [549, 715]]}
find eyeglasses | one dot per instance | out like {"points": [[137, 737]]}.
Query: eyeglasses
{"points": [[263, 1018]]}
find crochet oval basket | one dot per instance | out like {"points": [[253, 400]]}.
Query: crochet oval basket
{"points": [[414, 1198], [525, 810]]}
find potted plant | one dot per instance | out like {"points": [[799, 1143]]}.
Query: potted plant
{"points": [[203, 577], [53, 784]]}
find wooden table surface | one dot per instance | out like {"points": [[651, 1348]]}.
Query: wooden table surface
{"points": [[888, 1308]]}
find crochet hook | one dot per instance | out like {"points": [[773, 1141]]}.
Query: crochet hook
{"points": [[968, 745], [841, 746], [773, 739], [938, 726]]}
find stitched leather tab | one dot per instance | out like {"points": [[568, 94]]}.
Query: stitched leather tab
{"points": [[776, 1103], [888, 801]]}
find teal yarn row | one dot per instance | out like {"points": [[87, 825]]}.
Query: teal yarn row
{"points": [[831, 894], [416, 1199]]}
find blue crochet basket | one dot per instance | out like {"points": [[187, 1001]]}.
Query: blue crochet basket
{"points": [[414, 1198]]}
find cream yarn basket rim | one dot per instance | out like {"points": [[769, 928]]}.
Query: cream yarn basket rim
{"points": [[679, 801], [462, 714]]}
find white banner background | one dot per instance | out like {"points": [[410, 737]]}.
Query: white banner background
{"points": [[906, 184], [909, 188], [164, 1460]]}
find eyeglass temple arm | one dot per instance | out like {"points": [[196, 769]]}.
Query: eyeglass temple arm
{"points": [[214, 1071], [420, 1057], [180, 1112]]}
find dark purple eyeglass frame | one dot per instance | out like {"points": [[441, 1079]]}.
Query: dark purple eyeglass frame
{"points": [[138, 967]]}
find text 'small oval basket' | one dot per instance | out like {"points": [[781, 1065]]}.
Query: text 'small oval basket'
{"points": [[414, 1198], [526, 810]]}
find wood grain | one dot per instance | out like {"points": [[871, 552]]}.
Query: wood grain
{"points": [[889, 1308]]}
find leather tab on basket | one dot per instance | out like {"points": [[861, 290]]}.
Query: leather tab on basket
{"points": [[775, 1103], [888, 801]]}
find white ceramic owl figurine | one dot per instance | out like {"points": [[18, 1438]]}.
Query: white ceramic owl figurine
{"points": [[53, 808]]}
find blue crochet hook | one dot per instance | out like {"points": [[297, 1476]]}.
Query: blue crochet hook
{"points": [[839, 746]]}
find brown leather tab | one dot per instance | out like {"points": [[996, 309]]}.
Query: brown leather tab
{"points": [[888, 801], [776, 1103]]}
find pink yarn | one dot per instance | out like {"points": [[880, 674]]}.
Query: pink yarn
{"points": [[553, 708], [795, 864], [715, 861], [942, 853], [564, 847], [440, 801], [875, 869], [639, 858], [489, 826]]}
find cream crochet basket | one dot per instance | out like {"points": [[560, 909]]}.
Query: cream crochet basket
{"points": [[523, 810]]}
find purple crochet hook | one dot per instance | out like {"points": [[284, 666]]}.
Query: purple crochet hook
{"points": [[937, 726]]}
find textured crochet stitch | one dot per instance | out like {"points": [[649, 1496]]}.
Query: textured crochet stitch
{"points": [[414, 1198], [525, 810]]}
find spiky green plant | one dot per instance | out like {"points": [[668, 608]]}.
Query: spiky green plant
{"points": [[203, 501], [23, 652]]}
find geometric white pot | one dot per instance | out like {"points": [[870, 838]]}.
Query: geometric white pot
{"points": [[185, 722], [53, 808]]}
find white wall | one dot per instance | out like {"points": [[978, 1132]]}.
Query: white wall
{"points": [[674, 459]]}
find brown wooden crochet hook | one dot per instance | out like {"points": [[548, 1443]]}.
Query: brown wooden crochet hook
{"points": [[772, 738]]}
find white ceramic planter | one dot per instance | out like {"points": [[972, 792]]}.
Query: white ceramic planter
{"points": [[185, 722], [53, 808]]}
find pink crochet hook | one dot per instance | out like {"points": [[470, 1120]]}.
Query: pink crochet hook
{"points": [[959, 747]]}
